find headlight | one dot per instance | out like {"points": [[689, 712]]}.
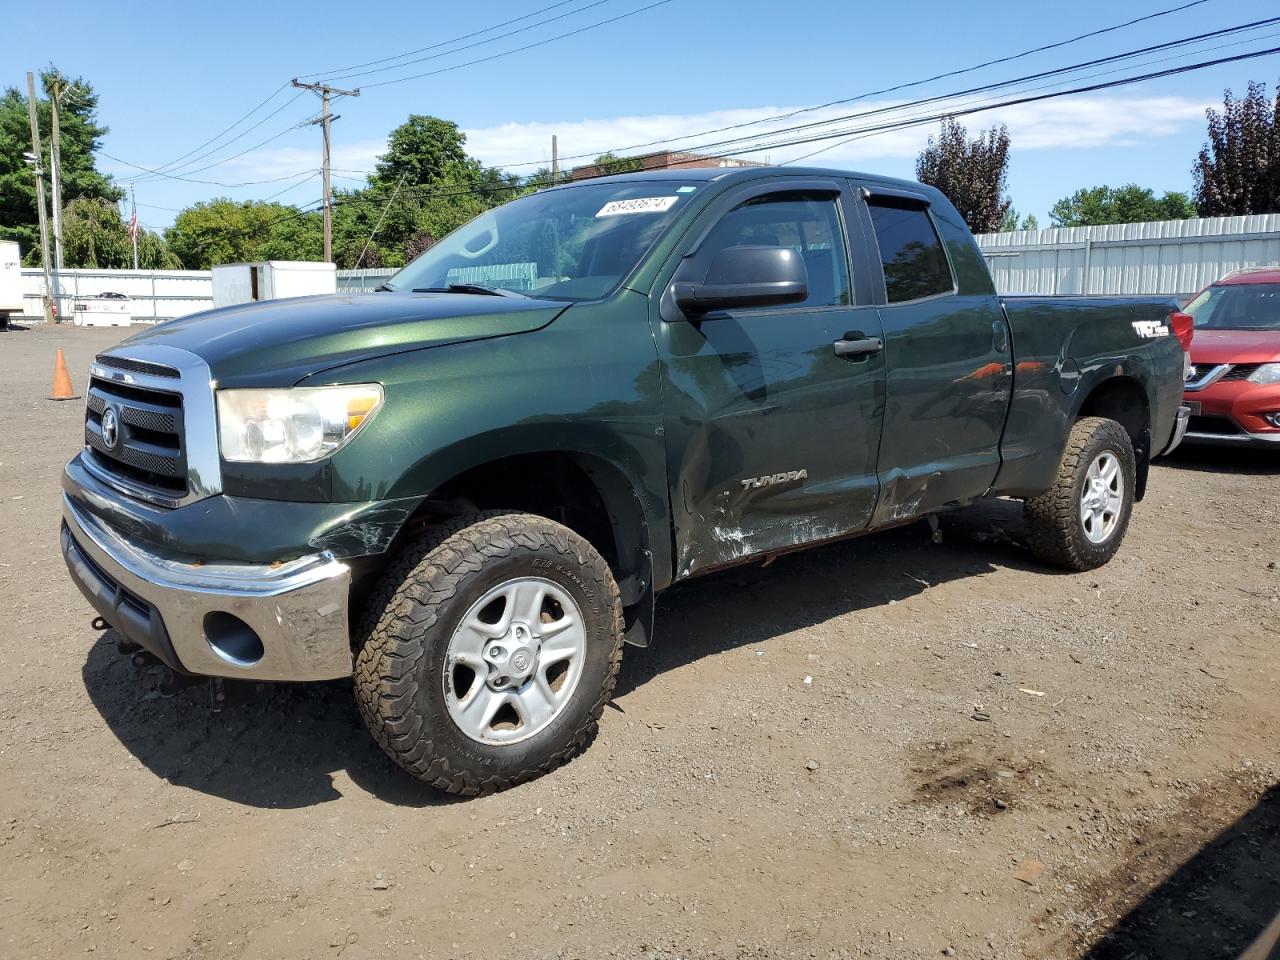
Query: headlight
{"points": [[294, 425], [1267, 373]]}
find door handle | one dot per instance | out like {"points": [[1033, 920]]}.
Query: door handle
{"points": [[856, 345], [999, 336]]}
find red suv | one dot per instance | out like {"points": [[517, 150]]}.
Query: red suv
{"points": [[1233, 383]]}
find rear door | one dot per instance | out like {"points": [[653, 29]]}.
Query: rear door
{"points": [[771, 436], [949, 367]]}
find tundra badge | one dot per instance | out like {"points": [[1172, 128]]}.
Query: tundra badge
{"points": [[754, 483]]}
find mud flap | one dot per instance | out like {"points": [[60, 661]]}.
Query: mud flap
{"points": [[637, 619], [1142, 453]]}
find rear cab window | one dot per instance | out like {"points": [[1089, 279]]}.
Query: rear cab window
{"points": [[912, 256]]}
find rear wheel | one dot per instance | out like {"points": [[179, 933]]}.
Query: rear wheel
{"points": [[489, 652], [1080, 521]]}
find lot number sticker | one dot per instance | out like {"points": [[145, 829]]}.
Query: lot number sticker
{"points": [[639, 205]]}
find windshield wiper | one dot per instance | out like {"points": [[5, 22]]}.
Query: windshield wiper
{"points": [[475, 288], [383, 288]]}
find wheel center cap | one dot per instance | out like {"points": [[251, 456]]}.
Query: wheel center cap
{"points": [[522, 660]]}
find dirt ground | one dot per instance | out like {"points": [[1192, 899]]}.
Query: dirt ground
{"points": [[852, 753]]}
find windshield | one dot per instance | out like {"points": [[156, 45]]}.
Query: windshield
{"points": [[1237, 306], [573, 243]]}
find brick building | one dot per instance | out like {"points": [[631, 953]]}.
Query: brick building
{"points": [[668, 160]]}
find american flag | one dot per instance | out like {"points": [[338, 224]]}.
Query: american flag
{"points": [[133, 226]]}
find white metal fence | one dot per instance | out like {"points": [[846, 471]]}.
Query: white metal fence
{"points": [[155, 294], [1164, 257], [1170, 257], [362, 281]]}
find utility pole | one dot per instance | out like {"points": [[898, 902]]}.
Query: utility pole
{"points": [[133, 225], [55, 174], [55, 180], [38, 163], [325, 91], [555, 161]]}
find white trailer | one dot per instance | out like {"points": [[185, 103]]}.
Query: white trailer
{"points": [[235, 283], [10, 281]]}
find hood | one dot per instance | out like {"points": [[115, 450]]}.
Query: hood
{"points": [[278, 342], [1235, 346]]}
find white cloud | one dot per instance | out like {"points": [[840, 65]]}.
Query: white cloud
{"points": [[1074, 123]]}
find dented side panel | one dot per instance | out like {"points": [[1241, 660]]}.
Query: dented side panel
{"points": [[771, 438]]}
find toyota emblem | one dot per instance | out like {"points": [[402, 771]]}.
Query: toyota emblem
{"points": [[110, 428]]}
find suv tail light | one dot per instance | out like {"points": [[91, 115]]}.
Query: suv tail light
{"points": [[1183, 325]]}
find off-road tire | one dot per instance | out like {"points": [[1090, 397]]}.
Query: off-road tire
{"points": [[1051, 521], [405, 631]]}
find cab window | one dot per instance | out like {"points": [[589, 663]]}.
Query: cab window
{"points": [[915, 263], [809, 224]]}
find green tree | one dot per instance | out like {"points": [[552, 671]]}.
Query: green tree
{"points": [[1010, 221], [1094, 206], [424, 186], [231, 231], [971, 173], [95, 235], [1238, 171], [81, 135], [426, 151], [608, 164]]}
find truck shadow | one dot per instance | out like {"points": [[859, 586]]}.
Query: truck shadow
{"points": [[1215, 904], [752, 604], [269, 745], [293, 745]]}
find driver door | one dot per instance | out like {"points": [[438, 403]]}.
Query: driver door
{"points": [[771, 436]]}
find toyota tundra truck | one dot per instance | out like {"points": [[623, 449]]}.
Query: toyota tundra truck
{"points": [[466, 490]]}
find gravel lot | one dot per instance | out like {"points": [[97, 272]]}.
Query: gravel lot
{"points": [[847, 754]]}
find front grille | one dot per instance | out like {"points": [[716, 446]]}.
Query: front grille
{"points": [[1220, 426], [1241, 371], [149, 450], [137, 366]]}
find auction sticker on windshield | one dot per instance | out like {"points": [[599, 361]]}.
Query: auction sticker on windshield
{"points": [[638, 205]]}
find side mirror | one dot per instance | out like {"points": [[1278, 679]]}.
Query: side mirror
{"points": [[745, 276]]}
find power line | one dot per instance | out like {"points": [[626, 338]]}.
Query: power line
{"points": [[984, 88], [1018, 101], [528, 46], [949, 110], [212, 183], [228, 129], [443, 43], [904, 86], [470, 46], [174, 166], [378, 226], [171, 176], [934, 99], [886, 126]]}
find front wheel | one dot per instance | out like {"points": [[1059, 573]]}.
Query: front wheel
{"points": [[1079, 522], [489, 652]]}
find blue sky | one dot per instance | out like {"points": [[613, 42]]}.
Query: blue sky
{"points": [[170, 77]]}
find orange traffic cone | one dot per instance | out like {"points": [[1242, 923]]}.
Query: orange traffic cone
{"points": [[62, 388]]}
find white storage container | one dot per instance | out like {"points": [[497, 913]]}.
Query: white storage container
{"points": [[10, 280], [235, 283], [104, 311]]}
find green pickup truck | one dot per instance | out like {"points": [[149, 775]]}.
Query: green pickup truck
{"points": [[467, 489]]}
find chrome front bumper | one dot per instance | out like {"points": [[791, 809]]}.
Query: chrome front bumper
{"points": [[1180, 423], [297, 609]]}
